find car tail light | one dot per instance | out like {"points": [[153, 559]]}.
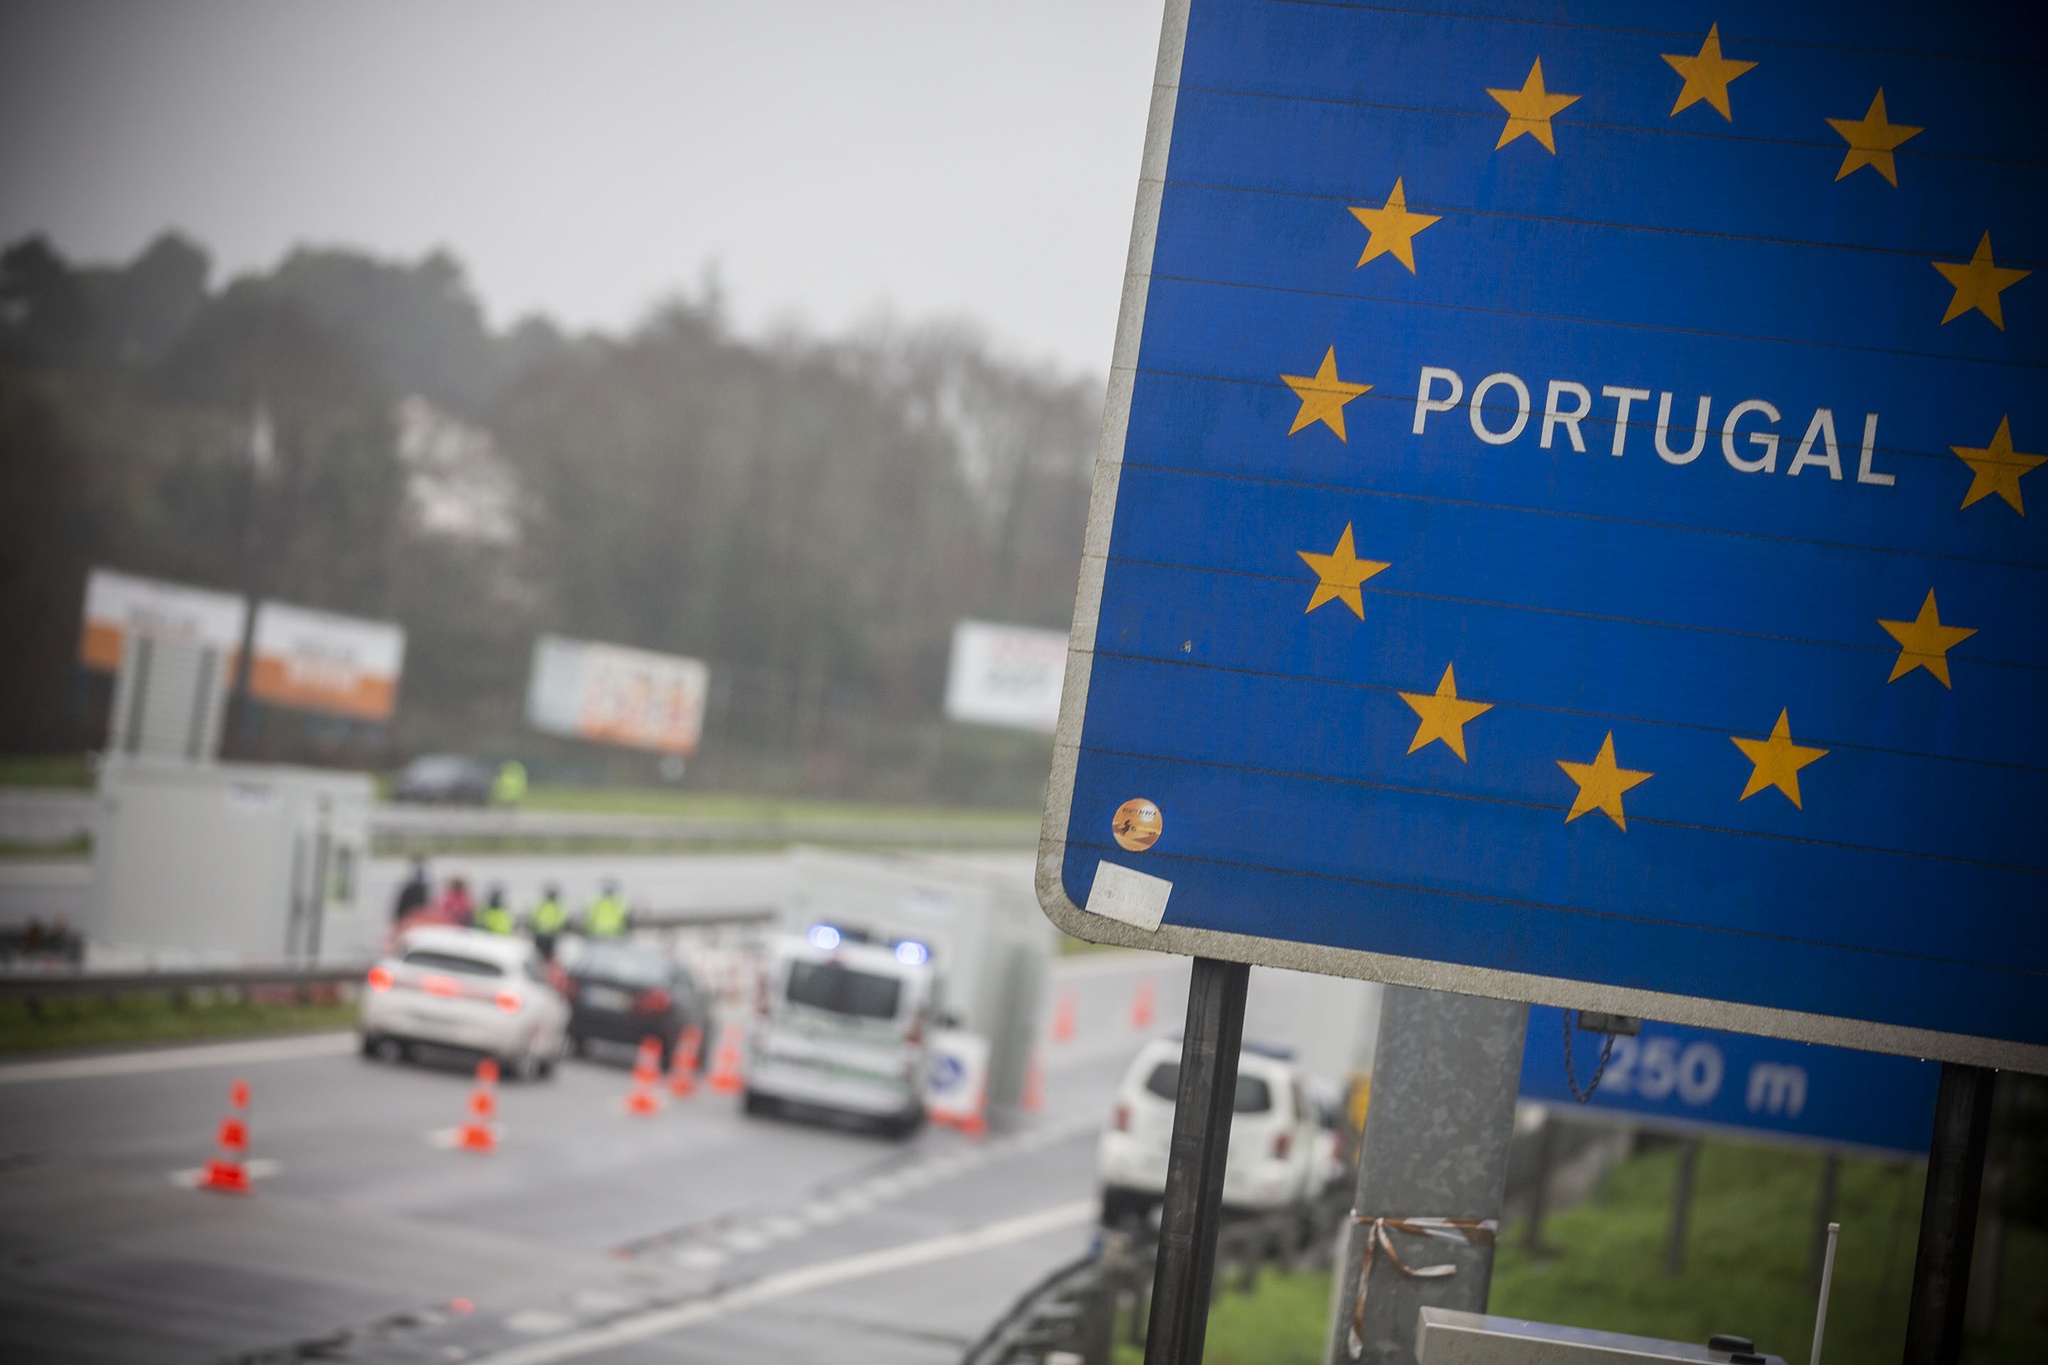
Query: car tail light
{"points": [[508, 1001], [380, 978], [1122, 1121], [559, 978], [447, 987], [1283, 1142], [652, 1002]]}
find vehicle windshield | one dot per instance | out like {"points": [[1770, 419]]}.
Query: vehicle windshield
{"points": [[626, 966], [452, 962], [1254, 1096], [841, 990]]}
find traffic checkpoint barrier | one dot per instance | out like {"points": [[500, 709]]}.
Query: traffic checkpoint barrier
{"points": [[1142, 1010], [644, 1099], [1064, 1011], [725, 1075], [228, 1173], [480, 1133], [682, 1070]]}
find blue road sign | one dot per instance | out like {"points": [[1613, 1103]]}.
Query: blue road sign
{"points": [[1563, 529], [1691, 1078]]}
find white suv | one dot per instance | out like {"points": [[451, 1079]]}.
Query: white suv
{"points": [[1273, 1135], [466, 990]]}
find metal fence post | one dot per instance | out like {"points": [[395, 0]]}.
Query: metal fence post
{"points": [[1194, 1174]]}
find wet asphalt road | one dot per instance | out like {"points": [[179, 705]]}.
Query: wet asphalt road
{"points": [[699, 1235]]}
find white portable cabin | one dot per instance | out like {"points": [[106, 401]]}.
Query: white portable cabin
{"points": [[231, 862], [991, 946]]}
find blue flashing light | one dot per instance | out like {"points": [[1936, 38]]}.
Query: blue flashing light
{"points": [[823, 936], [911, 953]]}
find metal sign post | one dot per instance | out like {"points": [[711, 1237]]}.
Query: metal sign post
{"points": [[1948, 1215], [1194, 1172]]}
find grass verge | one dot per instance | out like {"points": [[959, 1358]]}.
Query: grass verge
{"points": [[1745, 1267], [41, 1026]]}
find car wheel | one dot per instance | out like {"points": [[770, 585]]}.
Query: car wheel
{"points": [[368, 1046], [755, 1104], [544, 1068], [389, 1050]]}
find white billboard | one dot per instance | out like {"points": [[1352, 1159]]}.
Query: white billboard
{"points": [[614, 695], [118, 605], [319, 661], [1006, 675]]}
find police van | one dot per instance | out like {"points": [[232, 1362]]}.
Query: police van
{"points": [[842, 1026]]}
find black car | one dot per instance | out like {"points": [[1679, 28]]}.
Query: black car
{"points": [[446, 779], [619, 993]]}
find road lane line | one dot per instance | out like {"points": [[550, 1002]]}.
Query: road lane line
{"points": [[295, 1048], [657, 1321]]}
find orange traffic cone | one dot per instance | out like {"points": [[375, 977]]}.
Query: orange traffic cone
{"points": [[227, 1173], [1141, 1005], [1034, 1084], [725, 1075], [682, 1070], [1063, 1014], [644, 1099], [480, 1134]]}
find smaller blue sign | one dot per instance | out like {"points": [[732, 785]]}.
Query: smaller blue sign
{"points": [[1694, 1077]]}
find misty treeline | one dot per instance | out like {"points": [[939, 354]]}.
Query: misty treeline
{"points": [[809, 515]]}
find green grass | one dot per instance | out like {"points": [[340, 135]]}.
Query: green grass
{"points": [[27, 1027], [44, 770], [1746, 1267]]}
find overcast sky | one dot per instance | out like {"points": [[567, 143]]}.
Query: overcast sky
{"points": [[582, 160]]}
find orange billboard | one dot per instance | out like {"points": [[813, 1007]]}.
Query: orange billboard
{"points": [[118, 605], [320, 661]]}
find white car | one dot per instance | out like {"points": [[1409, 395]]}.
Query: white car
{"points": [[467, 990], [842, 1028], [1276, 1151]]}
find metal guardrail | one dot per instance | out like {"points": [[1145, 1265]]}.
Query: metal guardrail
{"points": [[402, 827], [1074, 1313], [73, 985]]}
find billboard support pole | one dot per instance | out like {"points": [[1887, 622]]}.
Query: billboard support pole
{"points": [[1194, 1173], [1948, 1215]]}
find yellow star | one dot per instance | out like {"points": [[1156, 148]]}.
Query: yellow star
{"points": [[1601, 783], [1323, 396], [1339, 573], [1706, 76], [1393, 229], [1924, 642], [1444, 714], [1529, 109], [1777, 759], [1997, 467], [1978, 284], [1872, 139]]}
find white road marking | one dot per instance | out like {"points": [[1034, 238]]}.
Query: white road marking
{"points": [[746, 1241], [539, 1322], [701, 1258], [293, 1049], [598, 1300], [657, 1321], [820, 1214], [257, 1168], [781, 1228]]}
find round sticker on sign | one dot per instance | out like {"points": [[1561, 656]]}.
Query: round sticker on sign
{"points": [[947, 1072], [1137, 825]]}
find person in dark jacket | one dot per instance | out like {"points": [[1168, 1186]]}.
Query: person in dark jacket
{"points": [[415, 895]]}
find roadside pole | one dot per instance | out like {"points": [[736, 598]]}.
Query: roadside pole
{"points": [[1194, 1171], [1432, 1170], [1948, 1215]]}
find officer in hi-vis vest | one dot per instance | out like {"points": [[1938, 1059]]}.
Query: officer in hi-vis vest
{"points": [[606, 917], [496, 916], [548, 920]]}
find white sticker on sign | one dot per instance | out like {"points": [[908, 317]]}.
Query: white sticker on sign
{"points": [[1129, 897]]}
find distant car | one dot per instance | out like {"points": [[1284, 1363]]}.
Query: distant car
{"points": [[622, 993], [465, 990], [446, 779], [1278, 1155]]}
